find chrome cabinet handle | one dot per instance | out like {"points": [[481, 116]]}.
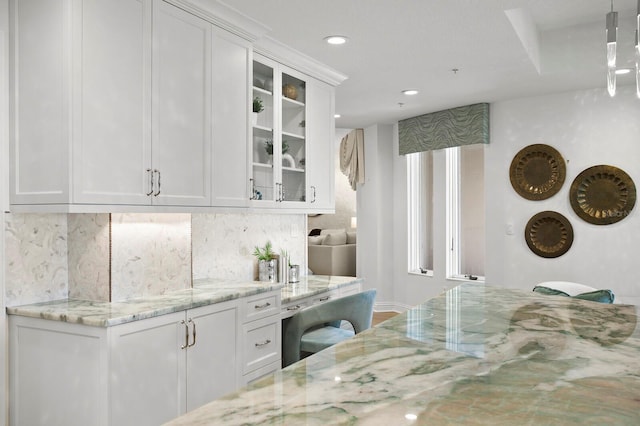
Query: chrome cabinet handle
{"points": [[190, 321], [155, 194], [265, 305], [324, 299], [313, 200], [186, 335], [294, 308], [150, 181], [265, 343], [253, 189]]}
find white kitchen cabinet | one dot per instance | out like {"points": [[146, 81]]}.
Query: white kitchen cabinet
{"points": [[111, 135], [145, 372], [230, 97], [261, 336], [321, 147], [292, 140], [181, 120], [126, 102], [168, 365]]}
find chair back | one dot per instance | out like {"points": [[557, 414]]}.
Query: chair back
{"points": [[356, 308]]}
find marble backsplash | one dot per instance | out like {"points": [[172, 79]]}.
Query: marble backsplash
{"points": [[223, 243], [121, 256], [36, 267]]}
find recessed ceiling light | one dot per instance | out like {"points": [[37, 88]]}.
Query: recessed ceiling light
{"points": [[337, 116], [620, 71], [410, 92], [336, 39]]}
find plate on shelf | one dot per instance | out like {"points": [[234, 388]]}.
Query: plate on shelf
{"points": [[602, 195], [549, 234], [288, 161], [537, 172]]}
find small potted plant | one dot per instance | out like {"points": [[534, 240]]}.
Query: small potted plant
{"points": [[267, 263], [268, 146], [258, 107]]}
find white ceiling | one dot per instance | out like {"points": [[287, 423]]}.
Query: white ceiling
{"points": [[401, 44]]}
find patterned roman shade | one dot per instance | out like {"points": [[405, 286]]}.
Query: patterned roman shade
{"points": [[464, 125]]}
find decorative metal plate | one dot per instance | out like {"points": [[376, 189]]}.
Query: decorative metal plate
{"points": [[537, 172], [549, 234], [602, 195]]}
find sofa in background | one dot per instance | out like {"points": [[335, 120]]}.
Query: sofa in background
{"points": [[333, 252]]}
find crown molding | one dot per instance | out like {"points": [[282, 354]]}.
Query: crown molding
{"points": [[224, 16], [280, 52]]}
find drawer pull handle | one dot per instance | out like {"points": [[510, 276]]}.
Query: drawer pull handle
{"points": [[266, 305], [293, 308], [265, 343], [324, 299]]}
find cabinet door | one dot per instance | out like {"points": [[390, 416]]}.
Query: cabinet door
{"points": [[181, 135], [230, 97], [40, 84], [112, 139], [320, 147], [58, 373], [265, 178], [212, 367], [147, 371], [293, 139]]}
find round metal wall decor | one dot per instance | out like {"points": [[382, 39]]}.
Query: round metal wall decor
{"points": [[537, 172], [549, 234], [603, 195]]}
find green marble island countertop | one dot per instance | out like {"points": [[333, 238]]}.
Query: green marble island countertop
{"points": [[473, 355], [204, 292]]}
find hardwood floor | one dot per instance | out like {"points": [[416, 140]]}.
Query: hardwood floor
{"points": [[379, 317]]}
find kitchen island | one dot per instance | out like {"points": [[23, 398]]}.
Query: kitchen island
{"points": [[473, 355]]}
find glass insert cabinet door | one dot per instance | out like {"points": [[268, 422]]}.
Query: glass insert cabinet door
{"points": [[279, 134]]}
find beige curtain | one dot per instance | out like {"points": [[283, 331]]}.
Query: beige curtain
{"points": [[352, 157]]}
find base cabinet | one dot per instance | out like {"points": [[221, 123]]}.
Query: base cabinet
{"points": [[145, 372]]}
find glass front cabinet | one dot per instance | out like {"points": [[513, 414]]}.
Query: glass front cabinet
{"points": [[280, 140]]}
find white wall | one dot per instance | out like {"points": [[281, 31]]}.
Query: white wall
{"points": [[587, 127]]}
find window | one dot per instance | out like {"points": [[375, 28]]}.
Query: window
{"points": [[420, 208], [463, 236], [465, 212]]}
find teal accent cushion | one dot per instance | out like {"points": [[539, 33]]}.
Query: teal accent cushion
{"points": [[602, 296], [552, 291], [323, 337]]}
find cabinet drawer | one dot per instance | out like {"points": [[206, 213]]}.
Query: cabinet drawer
{"points": [[261, 306], [261, 343]]}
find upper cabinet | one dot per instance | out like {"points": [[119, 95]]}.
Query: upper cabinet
{"points": [[144, 105], [292, 141], [125, 103]]}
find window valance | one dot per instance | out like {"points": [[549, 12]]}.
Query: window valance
{"points": [[465, 125]]}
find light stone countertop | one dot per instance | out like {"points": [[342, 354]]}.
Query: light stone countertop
{"points": [[205, 292], [474, 355], [315, 284]]}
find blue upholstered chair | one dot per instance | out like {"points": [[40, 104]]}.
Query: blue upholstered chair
{"points": [[318, 327]]}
